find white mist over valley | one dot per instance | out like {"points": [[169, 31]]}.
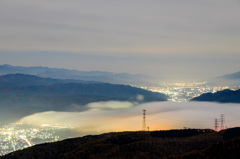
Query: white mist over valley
{"points": [[117, 116]]}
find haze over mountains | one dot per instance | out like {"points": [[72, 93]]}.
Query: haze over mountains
{"points": [[76, 98], [19, 80], [232, 76], [28, 90], [232, 79], [25, 94], [28, 94], [56, 73]]}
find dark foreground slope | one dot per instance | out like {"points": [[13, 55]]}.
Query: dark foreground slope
{"points": [[22, 95], [228, 148], [225, 96], [223, 150], [156, 144], [189, 143]]}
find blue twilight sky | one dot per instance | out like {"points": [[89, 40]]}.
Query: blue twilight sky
{"points": [[173, 39]]}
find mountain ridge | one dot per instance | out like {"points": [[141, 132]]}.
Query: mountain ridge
{"points": [[28, 80], [41, 94], [225, 96], [232, 76], [61, 73]]}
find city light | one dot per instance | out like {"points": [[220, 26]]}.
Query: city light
{"points": [[184, 92], [17, 136]]}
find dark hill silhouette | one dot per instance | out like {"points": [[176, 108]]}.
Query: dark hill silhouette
{"points": [[148, 145], [171, 144], [27, 94], [225, 96], [223, 150]]}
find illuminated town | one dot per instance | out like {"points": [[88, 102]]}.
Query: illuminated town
{"points": [[184, 92], [17, 136]]}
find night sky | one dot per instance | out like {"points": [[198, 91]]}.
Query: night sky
{"points": [[171, 39]]}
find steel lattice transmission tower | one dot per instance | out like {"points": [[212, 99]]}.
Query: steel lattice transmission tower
{"points": [[216, 124], [222, 119], [144, 120]]}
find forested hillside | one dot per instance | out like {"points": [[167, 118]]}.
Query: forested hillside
{"points": [[148, 145]]}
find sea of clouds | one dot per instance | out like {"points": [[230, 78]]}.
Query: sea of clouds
{"points": [[115, 116]]}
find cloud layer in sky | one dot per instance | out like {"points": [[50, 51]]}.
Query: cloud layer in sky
{"points": [[159, 37]]}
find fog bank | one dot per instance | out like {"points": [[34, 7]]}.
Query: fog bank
{"points": [[125, 116]]}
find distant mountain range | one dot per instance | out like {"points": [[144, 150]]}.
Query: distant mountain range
{"points": [[22, 95], [56, 73], [19, 80], [232, 80], [225, 96], [171, 144], [233, 76]]}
